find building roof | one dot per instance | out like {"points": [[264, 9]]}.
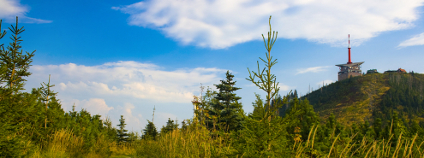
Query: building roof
{"points": [[398, 70], [350, 65]]}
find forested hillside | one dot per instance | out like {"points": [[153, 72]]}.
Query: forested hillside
{"points": [[33, 124], [372, 96]]}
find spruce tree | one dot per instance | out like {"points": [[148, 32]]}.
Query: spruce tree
{"points": [[183, 125], [258, 108], [150, 131], [303, 117], [132, 137], [295, 94], [16, 62], [170, 126], [210, 118], [227, 109], [46, 93], [122, 132], [19, 111], [264, 137], [109, 131]]}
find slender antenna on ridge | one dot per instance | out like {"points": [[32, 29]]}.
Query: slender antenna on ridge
{"points": [[153, 116]]}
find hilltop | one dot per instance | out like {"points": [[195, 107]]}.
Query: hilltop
{"points": [[371, 96]]}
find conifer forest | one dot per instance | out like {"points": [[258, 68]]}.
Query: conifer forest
{"points": [[377, 115]]}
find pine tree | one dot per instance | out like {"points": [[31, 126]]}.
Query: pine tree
{"points": [[19, 111], [150, 131], [110, 131], [16, 62], [295, 94], [227, 109], [47, 93], [132, 137], [210, 117], [170, 126], [258, 108], [183, 125], [267, 81], [122, 132], [265, 136]]}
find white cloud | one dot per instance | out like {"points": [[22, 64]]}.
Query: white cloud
{"points": [[127, 112], [222, 23], [93, 105], [128, 78], [163, 117], [284, 87], [312, 69], [414, 41], [9, 9]]}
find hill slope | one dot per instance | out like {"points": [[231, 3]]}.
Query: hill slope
{"points": [[372, 96]]}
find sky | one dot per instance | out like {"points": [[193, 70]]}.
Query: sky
{"points": [[126, 57]]}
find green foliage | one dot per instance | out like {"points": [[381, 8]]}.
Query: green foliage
{"points": [[225, 110], [183, 125], [195, 141], [109, 131], [366, 98], [122, 132], [19, 111], [205, 113], [266, 81], [16, 63], [258, 108], [150, 131], [264, 133], [303, 119], [170, 126]]}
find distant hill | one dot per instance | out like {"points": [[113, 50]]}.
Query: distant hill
{"points": [[372, 96]]}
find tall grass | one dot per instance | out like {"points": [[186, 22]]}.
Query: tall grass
{"points": [[197, 141], [64, 144], [405, 148], [127, 149], [194, 142], [61, 144]]}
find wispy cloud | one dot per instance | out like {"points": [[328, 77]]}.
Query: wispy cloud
{"points": [[414, 41], [312, 69], [9, 9], [221, 23]]}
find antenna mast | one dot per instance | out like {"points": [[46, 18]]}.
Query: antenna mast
{"points": [[153, 116], [348, 41]]}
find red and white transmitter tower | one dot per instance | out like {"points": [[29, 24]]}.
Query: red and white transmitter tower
{"points": [[348, 41], [350, 69]]}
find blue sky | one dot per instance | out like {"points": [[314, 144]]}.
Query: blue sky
{"points": [[124, 57]]}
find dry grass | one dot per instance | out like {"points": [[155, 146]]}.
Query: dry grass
{"points": [[405, 148], [195, 142]]}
